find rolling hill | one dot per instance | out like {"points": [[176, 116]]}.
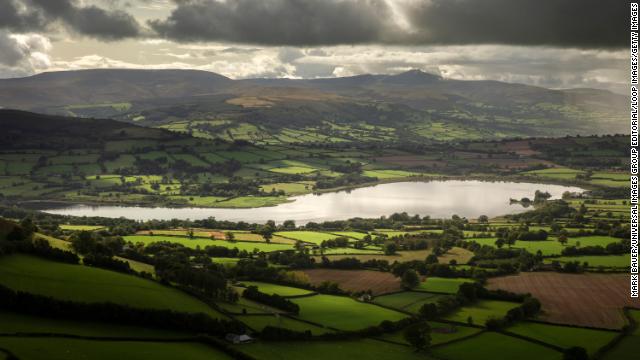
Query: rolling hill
{"points": [[411, 105]]}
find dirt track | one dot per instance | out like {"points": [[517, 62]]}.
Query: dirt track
{"points": [[579, 299]]}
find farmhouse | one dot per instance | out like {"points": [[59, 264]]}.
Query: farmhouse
{"points": [[239, 339]]}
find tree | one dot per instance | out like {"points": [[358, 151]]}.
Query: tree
{"points": [[575, 353], [83, 242], [483, 219], [418, 335], [390, 248], [190, 233], [431, 259], [229, 236], [500, 243], [410, 279], [563, 239]]}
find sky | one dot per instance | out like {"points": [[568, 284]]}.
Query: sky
{"points": [[549, 43]]}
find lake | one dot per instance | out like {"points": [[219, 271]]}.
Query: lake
{"points": [[438, 199]]}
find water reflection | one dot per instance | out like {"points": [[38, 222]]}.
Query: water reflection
{"points": [[438, 199]]}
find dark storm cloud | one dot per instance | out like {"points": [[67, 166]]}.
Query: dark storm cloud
{"points": [[36, 15], [564, 23], [279, 22]]}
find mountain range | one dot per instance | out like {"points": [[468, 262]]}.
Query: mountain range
{"points": [[410, 105]]}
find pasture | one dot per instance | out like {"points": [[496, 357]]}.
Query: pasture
{"points": [[442, 285], [564, 336], [277, 289], [492, 345], [32, 348], [440, 333], [18, 323], [409, 301], [481, 311], [552, 246], [338, 350], [313, 237], [628, 344], [613, 261], [88, 284], [202, 243], [342, 312], [259, 322]]}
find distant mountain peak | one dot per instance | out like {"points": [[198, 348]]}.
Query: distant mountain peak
{"points": [[413, 77]]}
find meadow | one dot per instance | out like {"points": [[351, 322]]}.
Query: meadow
{"points": [[202, 243], [492, 345], [564, 336], [277, 289], [88, 284], [342, 312], [481, 311], [339, 350], [442, 285], [408, 301], [32, 348]]}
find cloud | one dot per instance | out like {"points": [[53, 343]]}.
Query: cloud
{"points": [[24, 54], [90, 20], [279, 22], [563, 23]]}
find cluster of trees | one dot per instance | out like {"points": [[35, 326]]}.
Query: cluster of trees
{"points": [[273, 300], [344, 180], [46, 306]]}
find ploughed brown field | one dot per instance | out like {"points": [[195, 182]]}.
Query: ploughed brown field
{"points": [[594, 300], [356, 280], [462, 256]]}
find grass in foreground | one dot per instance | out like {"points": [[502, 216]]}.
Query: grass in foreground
{"points": [[336, 350], [492, 345], [88, 284], [64, 349]]}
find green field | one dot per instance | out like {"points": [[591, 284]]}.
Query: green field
{"points": [[564, 336], [442, 285], [337, 350], [202, 243], [277, 289], [11, 323], [616, 261], [492, 345], [440, 333], [313, 237], [342, 312], [80, 227], [88, 284], [33, 348], [552, 246], [409, 301], [629, 343], [482, 311], [259, 322]]}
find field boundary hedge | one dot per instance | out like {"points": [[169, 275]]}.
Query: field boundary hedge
{"points": [[627, 330], [543, 322], [529, 339]]}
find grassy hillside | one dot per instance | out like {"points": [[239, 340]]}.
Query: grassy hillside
{"points": [[421, 105], [88, 284]]}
